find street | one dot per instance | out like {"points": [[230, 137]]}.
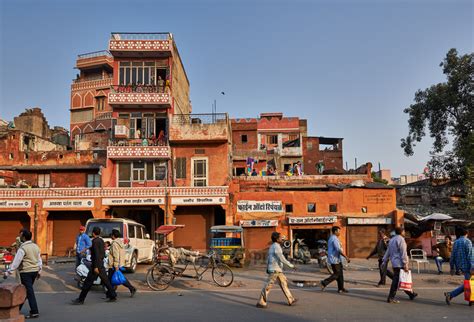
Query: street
{"points": [[188, 299]]}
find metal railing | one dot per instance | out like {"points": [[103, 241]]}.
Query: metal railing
{"points": [[95, 54], [90, 78], [139, 142], [139, 89], [141, 36], [199, 118]]}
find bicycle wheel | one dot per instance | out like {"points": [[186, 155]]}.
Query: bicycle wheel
{"points": [[222, 275], [159, 278]]}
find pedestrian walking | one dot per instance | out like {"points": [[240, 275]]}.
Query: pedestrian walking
{"points": [[97, 270], [335, 254], [275, 263], [379, 250], [117, 259], [462, 259], [83, 244], [397, 254], [444, 253], [28, 263]]}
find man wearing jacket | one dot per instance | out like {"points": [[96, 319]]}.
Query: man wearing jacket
{"points": [[397, 254], [116, 260], [97, 269], [275, 263], [379, 250], [29, 264]]}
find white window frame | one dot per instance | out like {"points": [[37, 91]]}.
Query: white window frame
{"points": [[44, 180], [193, 179]]}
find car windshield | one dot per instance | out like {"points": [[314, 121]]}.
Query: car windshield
{"points": [[105, 228]]}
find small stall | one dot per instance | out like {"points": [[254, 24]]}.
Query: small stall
{"points": [[228, 243]]}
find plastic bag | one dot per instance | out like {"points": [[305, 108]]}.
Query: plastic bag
{"points": [[406, 283], [118, 278], [468, 290]]}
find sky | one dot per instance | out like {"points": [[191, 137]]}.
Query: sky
{"points": [[348, 67]]}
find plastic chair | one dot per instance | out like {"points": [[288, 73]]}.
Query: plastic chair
{"points": [[418, 256]]}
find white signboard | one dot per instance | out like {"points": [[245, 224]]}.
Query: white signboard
{"points": [[15, 203], [259, 223], [132, 201], [68, 203], [259, 206], [369, 221], [311, 220], [198, 201]]}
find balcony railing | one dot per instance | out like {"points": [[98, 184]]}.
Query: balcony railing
{"points": [[139, 89], [141, 36], [146, 44], [199, 127], [94, 54], [123, 152], [182, 119], [138, 142], [89, 83], [140, 95]]}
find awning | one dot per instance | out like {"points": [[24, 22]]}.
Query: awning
{"points": [[436, 216], [167, 229], [226, 229]]}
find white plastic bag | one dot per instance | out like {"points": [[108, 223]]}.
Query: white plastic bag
{"points": [[406, 283]]}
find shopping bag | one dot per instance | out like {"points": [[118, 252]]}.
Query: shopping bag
{"points": [[405, 283], [468, 290], [118, 278]]}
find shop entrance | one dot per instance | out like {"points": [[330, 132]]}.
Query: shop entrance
{"points": [[63, 227], [362, 240], [150, 217], [311, 237], [10, 225]]}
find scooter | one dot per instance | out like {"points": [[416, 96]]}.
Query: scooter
{"points": [[301, 251], [322, 255], [83, 270]]}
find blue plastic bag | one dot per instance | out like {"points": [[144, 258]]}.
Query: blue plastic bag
{"points": [[118, 278]]}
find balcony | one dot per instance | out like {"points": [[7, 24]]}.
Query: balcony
{"points": [[244, 154], [140, 96], [131, 149], [296, 151], [92, 83], [141, 45], [95, 59], [199, 127]]}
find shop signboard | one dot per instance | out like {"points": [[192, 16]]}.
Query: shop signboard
{"points": [[369, 221], [15, 203], [311, 220], [259, 206], [259, 223], [132, 201], [68, 203]]}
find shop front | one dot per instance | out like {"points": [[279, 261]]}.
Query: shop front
{"points": [[257, 236], [362, 234]]}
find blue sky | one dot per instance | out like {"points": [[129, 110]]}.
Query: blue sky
{"points": [[349, 67]]}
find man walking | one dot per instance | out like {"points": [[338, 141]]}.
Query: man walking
{"points": [[379, 250], [97, 269], [275, 263], [335, 254], [117, 260], [462, 259], [397, 254], [83, 244], [28, 262], [444, 253]]}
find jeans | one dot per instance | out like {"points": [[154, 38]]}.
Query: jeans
{"points": [[395, 282], [79, 257], [28, 279], [337, 275], [126, 284], [439, 262], [460, 289], [91, 277], [384, 272], [272, 278]]}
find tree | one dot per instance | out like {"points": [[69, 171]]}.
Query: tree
{"points": [[446, 111]]}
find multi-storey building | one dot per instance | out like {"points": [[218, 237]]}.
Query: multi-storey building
{"points": [[138, 152]]}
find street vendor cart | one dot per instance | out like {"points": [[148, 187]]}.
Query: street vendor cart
{"points": [[228, 243]]}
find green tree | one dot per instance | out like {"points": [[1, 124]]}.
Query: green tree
{"points": [[446, 111]]}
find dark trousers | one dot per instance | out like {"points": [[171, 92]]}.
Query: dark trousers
{"points": [[395, 282], [91, 277], [337, 275], [384, 272], [28, 279], [126, 284], [79, 257]]}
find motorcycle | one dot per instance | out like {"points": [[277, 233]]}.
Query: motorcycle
{"points": [[83, 270], [322, 255], [301, 251]]}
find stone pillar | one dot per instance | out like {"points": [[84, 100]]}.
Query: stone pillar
{"points": [[41, 227], [11, 297]]}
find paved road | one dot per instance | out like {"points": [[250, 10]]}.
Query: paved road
{"points": [[189, 300]]}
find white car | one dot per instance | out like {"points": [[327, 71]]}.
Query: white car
{"points": [[139, 248]]}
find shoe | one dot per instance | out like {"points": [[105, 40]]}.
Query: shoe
{"points": [[132, 292], [322, 286], [447, 298], [343, 291], [77, 302], [294, 301], [32, 316], [111, 300], [393, 301], [260, 306], [380, 284], [413, 295], [439, 273]]}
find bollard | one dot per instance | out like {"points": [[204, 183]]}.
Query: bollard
{"points": [[12, 295]]}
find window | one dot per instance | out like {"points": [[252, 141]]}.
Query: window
{"points": [[137, 73], [180, 168], [93, 180], [44, 180], [289, 208], [333, 208], [139, 232], [160, 171], [131, 231], [124, 174], [199, 172], [138, 171], [244, 138], [273, 139], [292, 137], [311, 207], [100, 103]]}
